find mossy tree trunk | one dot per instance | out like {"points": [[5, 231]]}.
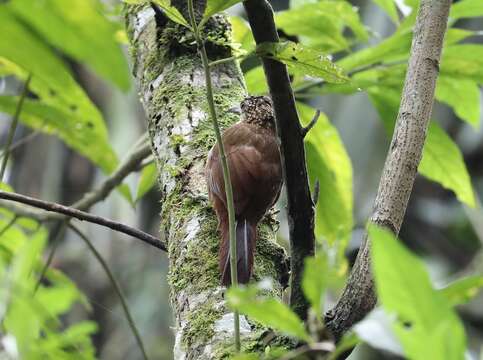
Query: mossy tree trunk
{"points": [[172, 89]]}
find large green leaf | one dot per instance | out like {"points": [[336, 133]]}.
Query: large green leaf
{"points": [[242, 34], [78, 28], [442, 160], [425, 323], [463, 61], [315, 281], [74, 129], [256, 82], [328, 163], [267, 311], [393, 48], [321, 24], [466, 9], [302, 60], [51, 80]]}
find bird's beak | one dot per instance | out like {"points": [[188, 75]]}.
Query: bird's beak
{"points": [[235, 110]]}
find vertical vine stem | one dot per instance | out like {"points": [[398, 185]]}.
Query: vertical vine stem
{"points": [[13, 126], [224, 163]]}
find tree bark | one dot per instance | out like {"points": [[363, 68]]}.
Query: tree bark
{"points": [[172, 89], [358, 297]]}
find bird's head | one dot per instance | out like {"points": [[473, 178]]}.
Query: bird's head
{"points": [[258, 110]]}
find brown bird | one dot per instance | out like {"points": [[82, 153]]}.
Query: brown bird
{"points": [[256, 175]]}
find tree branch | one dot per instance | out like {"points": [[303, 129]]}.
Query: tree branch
{"points": [[129, 165], [300, 207], [81, 215], [402, 161]]}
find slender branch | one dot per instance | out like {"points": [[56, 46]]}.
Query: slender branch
{"points": [[402, 161], [12, 221], [55, 237], [81, 215], [116, 287], [311, 124], [13, 126], [125, 168], [224, 164], [21, 142], [300, 207], [132, 163]]}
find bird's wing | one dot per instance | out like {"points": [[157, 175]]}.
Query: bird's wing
{"points": [[250, 173]]}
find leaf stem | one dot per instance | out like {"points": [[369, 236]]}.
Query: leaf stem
{"points": [[13, 126], [224, 164]]}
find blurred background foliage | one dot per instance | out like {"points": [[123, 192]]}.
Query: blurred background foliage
{"points": [[82, 116]]}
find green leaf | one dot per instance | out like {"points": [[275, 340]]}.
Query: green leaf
{"points": [[77, 131], [78, 28], [171, 12], [316, 280], [328, 162], [256, 82], [389, 7], [267, 311], [463, 61], [147, 180], [426, 325], [463, 95], [463, 290], [302, 60], [321, 25], [393, 48], [466, 9], [442, 160], [51, 80], [242, 34], [216, 6]]}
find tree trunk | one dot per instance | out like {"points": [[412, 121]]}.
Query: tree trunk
{"points": [[172, 89]]}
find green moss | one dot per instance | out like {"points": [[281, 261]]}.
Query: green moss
{"points": [[200, 323]]}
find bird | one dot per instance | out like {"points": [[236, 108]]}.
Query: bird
{"points": [[254, 161]]}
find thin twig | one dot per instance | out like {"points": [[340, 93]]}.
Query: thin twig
{"points": [[116, 286], [56, 236], [9, 224], [13, 126], [21, 142], [224, 164], [300, 211], [128, 166], [311, 124], [81, 215]]}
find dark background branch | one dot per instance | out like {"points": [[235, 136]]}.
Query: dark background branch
{"points": [[300, 208]]}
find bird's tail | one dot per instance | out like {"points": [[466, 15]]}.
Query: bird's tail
{"points": [[246, 233]]}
